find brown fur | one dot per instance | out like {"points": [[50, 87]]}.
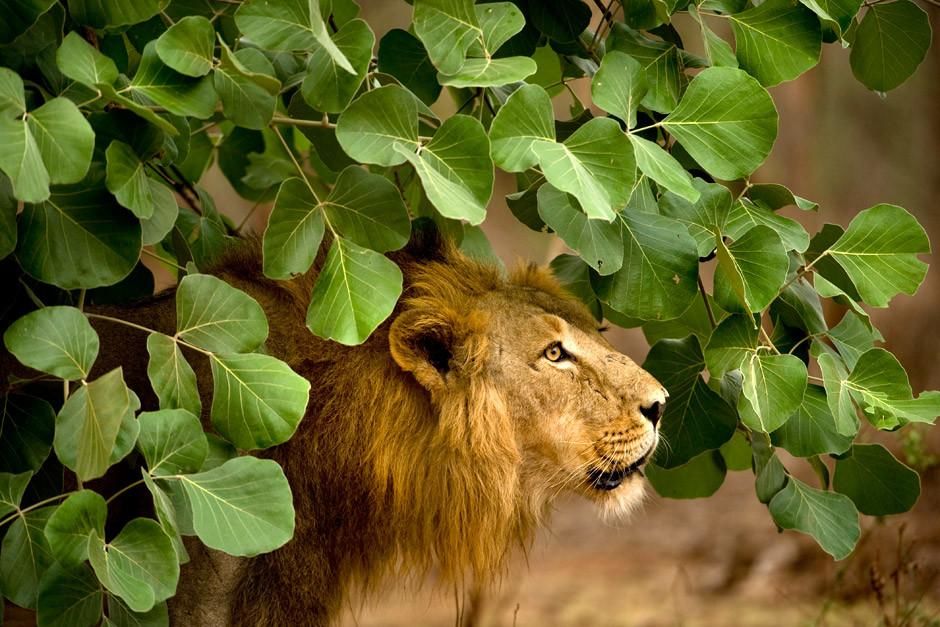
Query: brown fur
{"points": [[437, 444]]}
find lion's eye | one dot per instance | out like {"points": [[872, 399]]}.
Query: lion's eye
{"points": [[555, 352]]}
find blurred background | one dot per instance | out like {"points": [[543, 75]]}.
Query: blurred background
{"points": [[720, 561]]}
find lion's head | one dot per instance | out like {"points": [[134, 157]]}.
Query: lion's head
{"points": [[530, 401]]}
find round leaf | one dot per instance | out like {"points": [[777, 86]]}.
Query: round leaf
{"points": [[355, 292], [726, 121], [831, 519], [812, 429], [172, 441], [598, 242], [699, 478], [375, 122], [78, 238], [68, 528], [525, 119], [876, 482], [57, 340], [213, 315], [890, 43], [326, 86], [69, 597], [187, 46], [171, 376], [244, 507], [139, 565], [257, 400], [776, 41], [619, 86]]}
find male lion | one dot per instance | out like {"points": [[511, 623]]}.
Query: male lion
{"points": [[440, 442]]}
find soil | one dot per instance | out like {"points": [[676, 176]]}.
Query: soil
{"points": [[714, 562]]}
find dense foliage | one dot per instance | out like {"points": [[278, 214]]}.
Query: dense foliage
{"points": [[111, 111]]}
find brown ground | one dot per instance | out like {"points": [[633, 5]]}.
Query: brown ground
{"points": [[715, 562]]}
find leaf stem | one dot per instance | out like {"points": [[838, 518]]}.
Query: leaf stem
{"points": [[21, 511], [708, 307], [133, 325], [324, 123], [303, 174], [161, 259], [123, 490]]}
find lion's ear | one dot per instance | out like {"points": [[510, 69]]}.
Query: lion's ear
{"points": [[435, 344], [422, 344]]}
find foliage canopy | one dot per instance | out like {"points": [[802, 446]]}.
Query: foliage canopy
{"points": [[112, 111]]}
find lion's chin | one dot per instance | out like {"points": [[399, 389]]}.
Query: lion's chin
{"points": [[622, 501]]}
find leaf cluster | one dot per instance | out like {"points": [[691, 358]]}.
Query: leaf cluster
{"points": [[112, 111]]}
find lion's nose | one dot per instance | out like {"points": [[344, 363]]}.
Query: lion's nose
{"points": [[653, 409]]}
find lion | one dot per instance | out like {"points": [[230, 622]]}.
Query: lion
{"points": [[439, 443]]}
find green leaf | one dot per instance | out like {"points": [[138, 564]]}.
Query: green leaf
{"points": [[777, 40], [574, 275], [188, 46], [732, 343], [448, 28], [840, 12], [165, 507], [523, 120], [562, 20], [694, 321], [490, 72], [171, 376], [737, 452], [699, 478], [287, 25], [663, 168], [661, 62], [498, 21], [12, 488], [128, 181], [595, 165], [773, 196], [257, 400], [659, 277], [879, 253], [746, 215], [119, 615], [812, 429], [840, 400], [178, 93], [876, 482], [172, 441], [69, 597], [726, 121], [892, 40], [24, 557], [771, 475], [455, 168], [21, 160], [831, 519], [598, 242], [852, 338], [65, 139], [102, 15], [326, 87], [879, 383], [213, 315], [717, 50], [88, 425], [403, 56], [355, 292], [705, 218], [12, 94], [78, 238], [56, 340], [139, 565], [799, 306], [26, 430], [243, 507], [248, 98], [294, 232], [79, 60], [367, 209], [69, 525], [750, 271], [619, 85], [375, 122], [696, 418], [773, 390], [109, 94], [19, 16], [8, 208]]}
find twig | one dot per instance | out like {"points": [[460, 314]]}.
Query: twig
{"points": [[708, 307]]}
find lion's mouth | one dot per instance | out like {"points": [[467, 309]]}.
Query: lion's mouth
{"points": [[610, 479]]}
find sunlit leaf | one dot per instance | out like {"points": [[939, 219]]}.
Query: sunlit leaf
{"points": [[57, 340], [830, 518], [215, 316]]}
